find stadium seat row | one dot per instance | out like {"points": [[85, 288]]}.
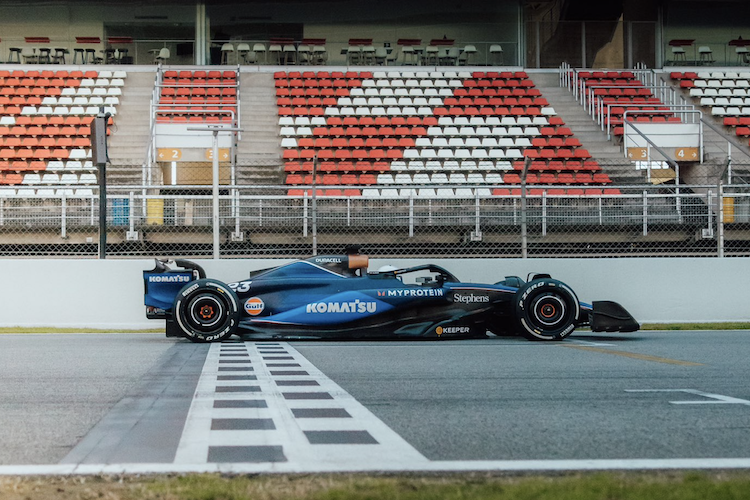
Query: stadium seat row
{"points": [[197, 96], [620, 95], [200, 74], [723, 94], [50, 132], [461, 193], [444, 145]]}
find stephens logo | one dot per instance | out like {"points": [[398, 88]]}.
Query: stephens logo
{"points": [[254, 306], [355, 306], [470, 298]]}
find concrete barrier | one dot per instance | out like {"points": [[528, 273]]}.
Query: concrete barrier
{"points": [[109, 293]]}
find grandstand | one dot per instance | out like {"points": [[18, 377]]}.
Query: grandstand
{"points": [[439, 139]]}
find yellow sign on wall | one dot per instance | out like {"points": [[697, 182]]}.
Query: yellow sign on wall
{"points": [[728, 209], [168, 154], [223, 154], [637, 154], [686, 154]]}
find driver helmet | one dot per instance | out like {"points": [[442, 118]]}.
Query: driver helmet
{"points": [[387, 268]]}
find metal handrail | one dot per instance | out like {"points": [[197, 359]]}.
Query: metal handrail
{"points": [[590, 98], [690, 109]]}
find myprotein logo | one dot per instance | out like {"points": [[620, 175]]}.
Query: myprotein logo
{"points": [[355, 306], [424, 292], [470, 298]]}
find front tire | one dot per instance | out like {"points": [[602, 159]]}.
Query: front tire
{"points": [[546, 309], [206, 310]]}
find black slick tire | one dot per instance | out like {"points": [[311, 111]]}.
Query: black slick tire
{"points": [[546, 309], [206, 310]]}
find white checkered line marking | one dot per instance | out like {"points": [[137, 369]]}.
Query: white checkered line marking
{"points": [[289, 433]]}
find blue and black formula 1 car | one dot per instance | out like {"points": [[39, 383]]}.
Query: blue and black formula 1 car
{"points": [[335, 297]]}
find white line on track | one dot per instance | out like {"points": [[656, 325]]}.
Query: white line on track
{"points": [[714, 399], [586, 342], [289, 432], [436, 466]]}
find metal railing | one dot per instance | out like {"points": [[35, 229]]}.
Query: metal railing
{"points": [[264, 220]]}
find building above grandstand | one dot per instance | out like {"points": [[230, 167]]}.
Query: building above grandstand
{"points": [[520, 33]]}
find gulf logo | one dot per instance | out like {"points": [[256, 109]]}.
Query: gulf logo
{"points": [[254, 306]]}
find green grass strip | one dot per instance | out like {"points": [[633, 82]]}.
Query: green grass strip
{"points": [[44, 329], [674, 485]]}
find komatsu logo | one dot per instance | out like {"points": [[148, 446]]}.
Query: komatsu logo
{"points": [[470, 298], [424, 292], [355, 306], [174, 278]]}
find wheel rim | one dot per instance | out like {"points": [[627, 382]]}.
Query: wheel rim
{"points": [[205, 312], [549, 311]]}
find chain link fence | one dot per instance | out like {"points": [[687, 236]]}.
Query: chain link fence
{"points": [[490, 220]]}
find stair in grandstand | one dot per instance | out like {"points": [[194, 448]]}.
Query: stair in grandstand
{"points": [[259, 150], [609, 154], [130, 138], [639, 95]]}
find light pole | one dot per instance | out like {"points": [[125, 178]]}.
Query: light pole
{"points": [[314, 207], [100, 157]]}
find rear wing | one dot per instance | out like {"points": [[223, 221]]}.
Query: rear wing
{"points": [[162, 284]]}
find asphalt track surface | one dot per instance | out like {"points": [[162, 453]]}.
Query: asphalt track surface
{"points": [[90, 403]]}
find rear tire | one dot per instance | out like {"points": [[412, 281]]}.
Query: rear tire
{"points": [[206, 311], [546, 309]]}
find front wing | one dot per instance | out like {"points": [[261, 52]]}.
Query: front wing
{"points": [[608, 316]]}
